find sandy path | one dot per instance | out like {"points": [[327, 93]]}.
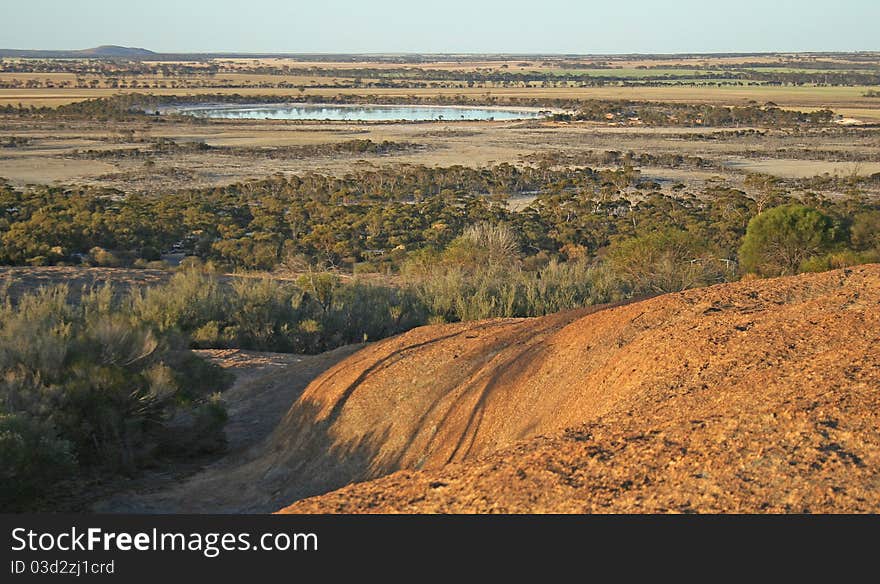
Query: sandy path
{"points": [[266, 385]]}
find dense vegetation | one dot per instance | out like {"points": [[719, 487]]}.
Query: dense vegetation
{"points": [[378, 220], [164, 146], [615, 158], [94, 386]]}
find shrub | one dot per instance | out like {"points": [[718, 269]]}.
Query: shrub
{"points": [[31, 457], [484, 244], [99, 256], [196, 432], [664, 261], [366, 312], [209, 335], [94, 381], [190, 300], [839, 259], [865, 231], [317, 313], [263, 313], [451, 293], [778, 241], [319, 286]]}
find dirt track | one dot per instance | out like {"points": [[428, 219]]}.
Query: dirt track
{"points": [[265, 386]]}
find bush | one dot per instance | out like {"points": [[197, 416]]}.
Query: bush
{"points": [[484, 244], [100, 257], [263, 313], [362, 312], [452, 293], [31, 457], [778, 241], [865, 231], [317, 313], [196, 432], [664, 261], [839, 259], [190, 300], [94, 381]]}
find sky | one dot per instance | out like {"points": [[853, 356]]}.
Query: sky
{"points": [[444, 26]]}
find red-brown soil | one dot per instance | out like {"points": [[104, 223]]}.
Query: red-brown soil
{"points": [[758, 396]]}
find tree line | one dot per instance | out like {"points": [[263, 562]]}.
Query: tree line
{"points": [[374, 220], [705, 115]]}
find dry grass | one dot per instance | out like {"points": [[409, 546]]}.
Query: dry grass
{"points": [[786, 168], [38, 170]]}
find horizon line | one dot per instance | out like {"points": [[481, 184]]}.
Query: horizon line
{"points": [[452, 53]]}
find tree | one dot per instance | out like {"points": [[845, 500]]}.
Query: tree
{"points": [[779, 240], [764, 188]]}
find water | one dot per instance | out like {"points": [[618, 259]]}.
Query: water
{"points": [[367, 113]]}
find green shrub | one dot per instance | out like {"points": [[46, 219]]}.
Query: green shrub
{"points": [[779, 241], [865, 231], [363, 311], [196, 432], [263, 313], [452, 293], [31, 457], [94, 379], [839, 259], [319, 287], [210, 335], [191, 299], [99, 256], [664, 261], [484, 244]]}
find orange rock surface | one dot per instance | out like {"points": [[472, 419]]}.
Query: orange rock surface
{"points": [[756, 396]]}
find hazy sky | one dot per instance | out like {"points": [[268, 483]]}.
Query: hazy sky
{"points": [[377, 26]]}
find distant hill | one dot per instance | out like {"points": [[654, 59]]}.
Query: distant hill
{"points": [[135, 53], [115, 51], [102, 52]]}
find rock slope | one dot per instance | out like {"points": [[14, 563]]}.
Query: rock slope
{"points": [[757, 396]]}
